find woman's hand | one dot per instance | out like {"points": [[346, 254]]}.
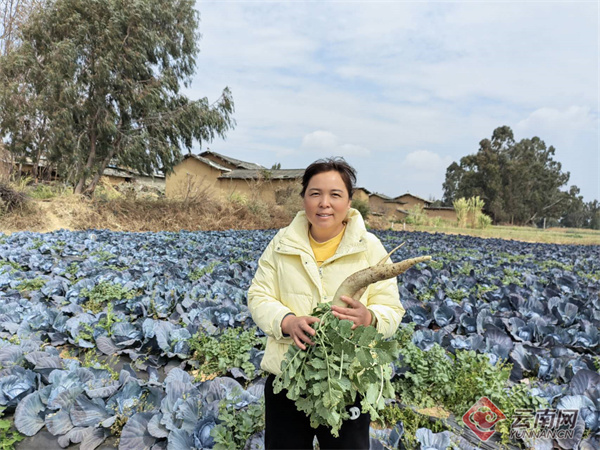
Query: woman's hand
{"points": [[356, 312], [299, 329]]}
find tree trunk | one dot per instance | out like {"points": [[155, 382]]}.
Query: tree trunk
{"points": [[34, 168], [40, 151], [531, 219], [36, 162], [90, 162], [92, 186]]}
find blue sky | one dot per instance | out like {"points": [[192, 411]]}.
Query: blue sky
{"points": [[403, 89]]}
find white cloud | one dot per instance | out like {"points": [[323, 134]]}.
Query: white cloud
{"points": [[573, 118], [328, 144], [423, 167], [320, 140], [426, 161]]}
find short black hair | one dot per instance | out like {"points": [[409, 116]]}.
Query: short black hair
{"points": [[337, 164]]}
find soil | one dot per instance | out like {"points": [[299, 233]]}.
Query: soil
{"points": [[52, 221]]}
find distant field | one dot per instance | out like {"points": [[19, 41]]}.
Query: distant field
{"points": [[525, 234]]}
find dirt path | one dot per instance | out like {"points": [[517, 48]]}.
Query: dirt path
{"points": [[52, 221]]}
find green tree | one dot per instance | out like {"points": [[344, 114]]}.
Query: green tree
{"points": [[454, 175], [362, 206], [592, 215], [518, 181], [534, 182], [575, 212], [30, 129], [94, 82], [13, 13]]}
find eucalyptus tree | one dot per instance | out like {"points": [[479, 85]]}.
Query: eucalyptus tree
{"points": [[519, 182], [482, 174], [99, 82], [13, 13]]}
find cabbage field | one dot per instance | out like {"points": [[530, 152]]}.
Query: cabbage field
{"points": [[144, 340]]}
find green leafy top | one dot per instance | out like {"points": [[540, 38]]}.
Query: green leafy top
{"points": [[343, 363]]}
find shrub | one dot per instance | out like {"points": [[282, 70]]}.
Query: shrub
{"points": [[282, 195], [484, 221], [106, 193], [461, 207], [43, 191], [238, 199], [469, 213], [436, 222], [362, 206], [10, 198], [416, 216]]}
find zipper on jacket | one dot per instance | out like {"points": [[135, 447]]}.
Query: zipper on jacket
{"points": [[346, 251]]}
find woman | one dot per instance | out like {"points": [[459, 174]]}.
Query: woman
{"points": [[302, 266]]}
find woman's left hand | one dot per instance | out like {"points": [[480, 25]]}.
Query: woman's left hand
{"points": [[356, 312]]}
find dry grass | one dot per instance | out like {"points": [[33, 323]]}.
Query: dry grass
{"points": [[160, 214], [171, 215], [525, 234], [25, 217], [378, 223], [115, 211], [146, 214]]}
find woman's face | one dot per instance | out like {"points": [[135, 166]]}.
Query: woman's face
{"points": [[326, 202]]}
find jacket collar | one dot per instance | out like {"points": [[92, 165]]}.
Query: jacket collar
{"points": [[295, 237]]}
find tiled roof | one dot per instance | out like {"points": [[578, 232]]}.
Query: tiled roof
{"points": [[414, 196], [272, 174], [111, 170], [126, 173], [208, 162], [236, 162], [383, 196]]}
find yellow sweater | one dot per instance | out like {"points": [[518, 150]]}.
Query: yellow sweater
{"points": [[325, 250]]}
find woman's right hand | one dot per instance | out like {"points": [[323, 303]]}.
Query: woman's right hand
{"points": [[299, 329]]}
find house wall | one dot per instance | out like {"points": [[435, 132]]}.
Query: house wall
{"points": [[271, 191], [360, 194], [25, 169], [376, 205], [389, 210], [114, 180], [399, 215], [44, 173], [411, 202], [191, 177]]}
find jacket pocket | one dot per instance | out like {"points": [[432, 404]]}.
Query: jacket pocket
{"points": [[299, 304]]}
